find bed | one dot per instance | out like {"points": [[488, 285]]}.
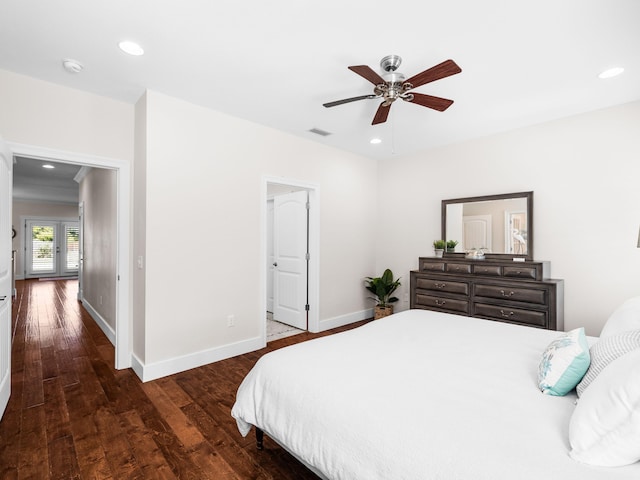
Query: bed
{"points": [[420, 395]]}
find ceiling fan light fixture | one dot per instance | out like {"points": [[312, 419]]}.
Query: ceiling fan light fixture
{"points": [[611, 72], [132, 48]]}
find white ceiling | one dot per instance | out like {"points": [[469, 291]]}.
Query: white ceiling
{"points": [[32, 182], [276, 62]]}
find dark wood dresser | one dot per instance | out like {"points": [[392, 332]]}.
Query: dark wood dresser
{"points": [[501, 290]]}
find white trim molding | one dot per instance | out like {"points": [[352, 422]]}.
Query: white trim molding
{"points": [[342, 320], [314, 249], [102, 323], [153, 371]]}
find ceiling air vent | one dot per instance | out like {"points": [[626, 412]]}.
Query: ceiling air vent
{"points": [[322, 133]]}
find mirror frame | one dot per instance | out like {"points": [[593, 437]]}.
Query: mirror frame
{"points": [[527, 195]]}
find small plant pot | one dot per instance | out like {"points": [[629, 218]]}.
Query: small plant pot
{"points": [[451, 250], [438, 252], [380, 311]]}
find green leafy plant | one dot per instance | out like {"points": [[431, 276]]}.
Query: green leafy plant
{"points": [[451, 244], [439, 244], [383, 287]]}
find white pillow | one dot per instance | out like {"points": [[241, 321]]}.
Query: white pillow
{"points": [[625, 317], [564, 362], [605, 427], [605, 351]]}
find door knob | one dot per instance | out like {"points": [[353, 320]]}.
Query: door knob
{"points": [[275, 264]]}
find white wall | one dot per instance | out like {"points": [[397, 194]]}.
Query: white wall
{"points": [[584, 171], [204, 174], [46, 115], [98, 193]]}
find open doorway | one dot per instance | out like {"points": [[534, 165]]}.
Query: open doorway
{"points": [[119, 277], [290, 244]]}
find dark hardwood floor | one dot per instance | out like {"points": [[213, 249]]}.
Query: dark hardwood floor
{"points": [[73, 416]]}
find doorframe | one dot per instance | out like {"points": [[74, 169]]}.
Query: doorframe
{"points": [[313, 285], [123, 344]]}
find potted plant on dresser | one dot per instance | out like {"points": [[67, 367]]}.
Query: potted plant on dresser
{"points": [[382, 289], [451, 246], [438, 247]]}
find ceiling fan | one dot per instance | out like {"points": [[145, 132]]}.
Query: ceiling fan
{"points": [[392, 85]]}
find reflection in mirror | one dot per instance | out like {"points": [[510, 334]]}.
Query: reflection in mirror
{"points": [[497, 224]]}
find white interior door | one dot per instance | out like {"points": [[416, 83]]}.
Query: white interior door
{"points": [[6, 184], [290, 227], [476, 232]]}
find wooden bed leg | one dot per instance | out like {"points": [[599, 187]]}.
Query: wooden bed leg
{"points": [[259, 438]]}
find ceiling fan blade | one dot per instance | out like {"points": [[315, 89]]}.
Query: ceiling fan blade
{"points": [[442, 70], [348, 100], [381, 114], [367, 73], [437, 103]]}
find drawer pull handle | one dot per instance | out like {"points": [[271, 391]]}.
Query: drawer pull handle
{"points": [[439, 285], [506, 315], [440, 302], [510, 294]]}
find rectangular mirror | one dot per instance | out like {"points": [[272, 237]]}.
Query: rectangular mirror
{"points": [[501, 225]]}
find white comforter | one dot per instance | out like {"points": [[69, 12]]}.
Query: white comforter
{"points": [[417, 395]]}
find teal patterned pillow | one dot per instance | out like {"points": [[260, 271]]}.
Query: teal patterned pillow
{"points": [[564, 363]]}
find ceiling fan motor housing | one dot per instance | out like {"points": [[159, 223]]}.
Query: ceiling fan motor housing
{"points": [[390, 63]]}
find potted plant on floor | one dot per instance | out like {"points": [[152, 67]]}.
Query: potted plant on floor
{"points": [[382, 289], [438, 247]]}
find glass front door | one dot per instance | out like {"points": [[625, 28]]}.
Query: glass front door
{"points": [[52, 248]]}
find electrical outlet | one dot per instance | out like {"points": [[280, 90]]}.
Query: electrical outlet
{"points": [[100, 300], [140, 262], [231, 321]]}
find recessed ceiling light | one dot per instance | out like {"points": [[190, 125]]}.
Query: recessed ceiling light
{"points": [[132, 48], [611, 72], [375, 141], [46, 165]]}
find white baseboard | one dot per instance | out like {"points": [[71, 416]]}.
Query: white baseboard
{"points": [[342, 320], [108, 330], [170, 366]]}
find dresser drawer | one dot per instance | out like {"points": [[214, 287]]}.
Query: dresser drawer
{"points": [[519, 272], [515, 294], [458, 268], [515, 315], [432, 266], [440, 285], [492, 270], [440, 303]]}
